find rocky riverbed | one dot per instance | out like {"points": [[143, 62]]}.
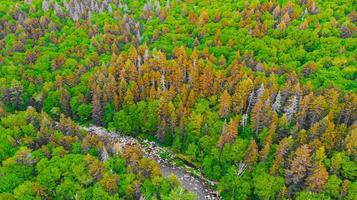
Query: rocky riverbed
{"points": [[197, 184]]}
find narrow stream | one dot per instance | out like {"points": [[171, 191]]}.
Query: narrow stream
{"points": [[195, 184]]}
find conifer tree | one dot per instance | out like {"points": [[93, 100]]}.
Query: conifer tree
{"points": [[225, 104], [251, 155]]}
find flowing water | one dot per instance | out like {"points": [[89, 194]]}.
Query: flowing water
{"points": [[198, 185]]}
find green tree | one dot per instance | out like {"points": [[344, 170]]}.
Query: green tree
{"points": [[179, 194], [84, 112], [52, 102], [230, 186], [67, 189], [122, 122], [264, 187], [332, 188], [30, 190], [311, 195], [352, 191]]}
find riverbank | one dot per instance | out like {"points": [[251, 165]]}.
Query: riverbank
{"points": [[190, 178]]}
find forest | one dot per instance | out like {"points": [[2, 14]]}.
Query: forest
{"points": [[259, 95]]}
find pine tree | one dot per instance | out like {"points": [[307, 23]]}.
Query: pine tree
{"points": [[317, 109], [257, 119], [240, 95], [232, 130], [301, 116], [260, 91], [278, 162], [319, 156], [229, 133], [277, 103], [167, 119], [109, 88], [121, 91], [225, 104], [329, 138], [299, 166], [221, 140], [317, 180], [349, 109], [251, 155], [351, 142], [311, 7], [203, 18], [291, 109], [332, 98], [263, 154], [129, 97]]}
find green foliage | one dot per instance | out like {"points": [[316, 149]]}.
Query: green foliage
{"points": [[26, 191], [84, 112], [64, 168], [352, 191], [179, 194], [134, 119], [332, 187], [232, 186], [95, 192], [264, 189], [311, 195], [14, 175], [160, 72]]}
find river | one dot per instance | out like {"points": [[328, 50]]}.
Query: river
{"points": [[196, 184]]}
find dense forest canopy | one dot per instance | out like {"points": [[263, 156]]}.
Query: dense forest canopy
{"points": [[42, 159], [261, 95]]}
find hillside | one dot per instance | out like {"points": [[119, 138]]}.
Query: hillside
{"points": [[260, 95]]}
